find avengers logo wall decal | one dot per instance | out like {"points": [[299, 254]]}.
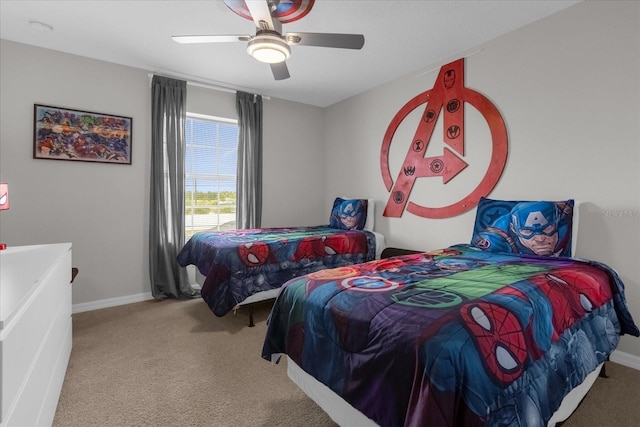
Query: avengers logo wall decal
{"points": [[448, 96]]}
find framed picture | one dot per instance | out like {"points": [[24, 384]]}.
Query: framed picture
{"points": [[65, 134]]}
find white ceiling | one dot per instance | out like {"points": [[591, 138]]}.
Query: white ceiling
{"points": [[401, 37]]}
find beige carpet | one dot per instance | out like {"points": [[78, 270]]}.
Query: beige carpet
{"points": [[173, 363]]}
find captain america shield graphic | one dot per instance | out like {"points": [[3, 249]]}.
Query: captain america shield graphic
{"points": [[286, 10], [369, 284]]}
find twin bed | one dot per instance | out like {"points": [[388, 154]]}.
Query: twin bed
{"points": [[242, 267], [509, 330]]}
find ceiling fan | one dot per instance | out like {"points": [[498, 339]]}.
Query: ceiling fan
{"points": [[269, 45]]}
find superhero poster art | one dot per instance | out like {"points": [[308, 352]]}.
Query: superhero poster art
{"points": [[443, 105], [65, 134]]}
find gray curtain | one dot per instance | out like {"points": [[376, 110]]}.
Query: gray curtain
{"points": [[249, 184], [166, 204]]}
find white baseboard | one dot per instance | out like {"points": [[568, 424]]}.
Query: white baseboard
{"points": [[110, 302], [626, 359]]}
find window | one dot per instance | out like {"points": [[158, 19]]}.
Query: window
{"points": [[211, 154]]}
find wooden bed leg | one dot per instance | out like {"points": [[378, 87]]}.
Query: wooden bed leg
{"points": [[603, 371], [251, 324]]}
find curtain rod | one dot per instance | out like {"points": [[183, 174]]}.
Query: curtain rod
{"points": [[197, 83]]}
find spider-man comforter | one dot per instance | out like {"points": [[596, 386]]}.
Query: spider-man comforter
{"points": [[456, 337], [240, 263]]}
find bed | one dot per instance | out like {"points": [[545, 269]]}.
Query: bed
{"points": [[462, 336], [242, 267]]}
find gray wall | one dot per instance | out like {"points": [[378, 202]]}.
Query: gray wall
{"points": [[568, 88], [102, 209]]}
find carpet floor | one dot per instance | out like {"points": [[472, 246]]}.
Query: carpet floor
{"points": [[173, 363]]}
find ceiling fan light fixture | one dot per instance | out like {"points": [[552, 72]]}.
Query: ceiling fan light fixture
{"points": [[269, 48]]}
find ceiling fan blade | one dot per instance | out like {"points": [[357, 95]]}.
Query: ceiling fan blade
{"points": [[211, 39], [280, 71], [343, 41], [261, 14]]}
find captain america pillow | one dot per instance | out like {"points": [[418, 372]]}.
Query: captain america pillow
{"points": [[541, 228], [348, 214]]}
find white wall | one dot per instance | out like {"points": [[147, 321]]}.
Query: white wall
{"points": [[568, 88], [102, 209], [294, 152]]}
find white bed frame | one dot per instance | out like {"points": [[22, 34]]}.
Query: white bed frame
{"points": [[346, 415]]}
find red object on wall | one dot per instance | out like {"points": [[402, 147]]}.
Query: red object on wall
{"points": [[4, 196], [448, 95], [4, 204]]}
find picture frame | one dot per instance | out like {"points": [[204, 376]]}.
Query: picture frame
{"points": [[76, 135]]}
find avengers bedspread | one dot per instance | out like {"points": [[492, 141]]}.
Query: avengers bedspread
{"points": [[240, 263], [456, 337]]}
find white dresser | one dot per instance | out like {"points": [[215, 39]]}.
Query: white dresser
{"points": [[35, 331]]}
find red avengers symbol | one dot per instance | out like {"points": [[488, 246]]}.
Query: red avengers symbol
{"points": [[429, 116], [448, 92], [437, 166], [453, 132]]}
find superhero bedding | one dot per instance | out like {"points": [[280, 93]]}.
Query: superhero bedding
{"points": [[455, 337], [241, 263]]}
